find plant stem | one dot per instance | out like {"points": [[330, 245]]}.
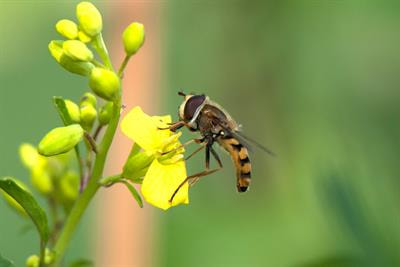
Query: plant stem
{"points": [[102, 50], [91, 189], [123, 65], [80, 164], [110, 180], [42, 253]]}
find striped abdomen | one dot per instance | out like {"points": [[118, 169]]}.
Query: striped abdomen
{"points": [[240, 157]]}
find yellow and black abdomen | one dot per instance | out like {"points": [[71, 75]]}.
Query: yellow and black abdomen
{"points": [[240, 157]]}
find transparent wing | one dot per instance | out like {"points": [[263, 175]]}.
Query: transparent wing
{"points": [[249, 142]]}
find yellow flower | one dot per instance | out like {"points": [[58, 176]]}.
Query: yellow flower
{"points": [[166, 172]]}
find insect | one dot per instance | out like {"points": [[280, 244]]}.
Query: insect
{"points": [[199, 113]]}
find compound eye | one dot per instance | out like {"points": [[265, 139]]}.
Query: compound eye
{"points": [[192, 105]]}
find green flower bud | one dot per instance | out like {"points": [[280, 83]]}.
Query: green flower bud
{"points": [[30, 156], [56, 50], [67, 28], [77, 67], [105, 113], [88, 116], [60, 140], [32, 261], [73, 110], [49, 256], [69, 185], [83, 37], [137, 165], [77, 50], [89, 18], [104, 83], [41, 180], [11, 201], [133, 38], [89, 98]]}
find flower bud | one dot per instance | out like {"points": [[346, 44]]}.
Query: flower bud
{"points": [[89, 98], [77, 67], [56, 50], [41, 180], [32, 261], [105, 113], [88, 116], [73, 110], [12, 202], [67, 28], [77, 50], [133, 38], [89, 18], [104, 83], [69, 185], [49, 256], [83, 37], [30, 156], [137, 165], [60, 140]]}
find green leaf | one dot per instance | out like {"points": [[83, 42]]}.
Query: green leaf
{"points": [[62, 110], [5, 262], [29, 204], [134, 193], [82, 263]]}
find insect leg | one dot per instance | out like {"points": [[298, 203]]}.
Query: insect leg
{"points": [[174, 126], [207, 157], [214, 153], [194, 176], [197, 141], [197, 150]]}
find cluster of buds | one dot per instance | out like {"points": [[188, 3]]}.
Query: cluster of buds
{"points": [[75, 54], [51, 176], [82, 51]]}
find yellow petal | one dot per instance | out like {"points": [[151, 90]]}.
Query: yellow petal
{"points": [[160, 183], [144, 129]]}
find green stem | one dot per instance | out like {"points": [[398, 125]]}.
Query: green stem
{"points": [[110, 180], [123, 65], [102, 50], [91, 189], [97, 64], [80, 164], [42, 253]]}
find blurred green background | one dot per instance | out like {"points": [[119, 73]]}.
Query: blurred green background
{"points": [[316, 81]]}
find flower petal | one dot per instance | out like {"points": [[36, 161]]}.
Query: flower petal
{"points": [[144, 129], [160, 183]]}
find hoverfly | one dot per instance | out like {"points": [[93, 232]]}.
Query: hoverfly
{"points": [[199, 113]]}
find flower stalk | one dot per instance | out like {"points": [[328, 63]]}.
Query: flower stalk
{"points": [[156, 159], [91, 189]]}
